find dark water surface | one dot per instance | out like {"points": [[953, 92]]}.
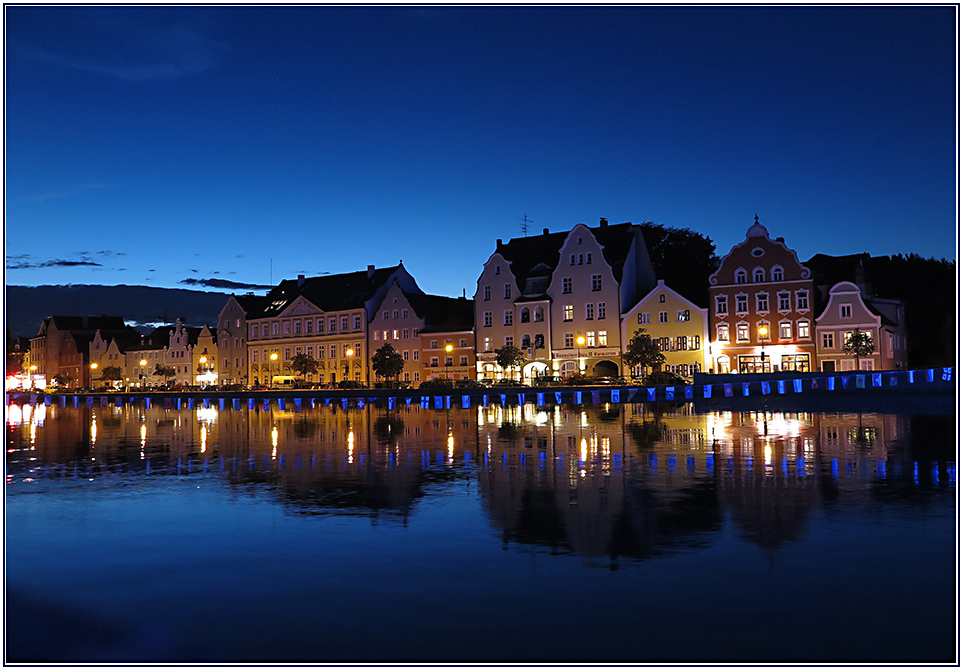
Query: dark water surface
{"points": [[596, 533]]}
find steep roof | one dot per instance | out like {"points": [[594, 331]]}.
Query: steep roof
{"points": [[328, 292], [91, 323], [443, 314]]}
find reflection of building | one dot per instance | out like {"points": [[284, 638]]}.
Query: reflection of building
{"points": [[678, 327], [542, 293], [848, 311], [761, 302]]}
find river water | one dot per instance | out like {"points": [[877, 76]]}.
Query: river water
{"points": [[594, 533]]}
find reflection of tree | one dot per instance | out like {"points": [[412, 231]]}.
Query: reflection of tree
{"points": [[508, 431], [305, 428], [614, 413], [644, 434], [387, 429]]}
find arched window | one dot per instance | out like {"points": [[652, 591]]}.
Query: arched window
{"points": [[740, 276], [539, 314], [758, 275], [525, 315], [777, 274]]}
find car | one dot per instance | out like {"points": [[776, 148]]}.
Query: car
{"points": [[508, 382], [468, 384]]}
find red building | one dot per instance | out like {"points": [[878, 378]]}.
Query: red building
{"points": [[761, 306]]}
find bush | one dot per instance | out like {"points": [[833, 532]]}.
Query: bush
{"points": [[578, 379], [437, 384], [350, 384], [662, 378]]}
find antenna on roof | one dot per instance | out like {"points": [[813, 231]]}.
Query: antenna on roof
{"points": [[525, 221]]}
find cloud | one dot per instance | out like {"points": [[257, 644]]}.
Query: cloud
{"points": [[222, 283], [56, 263]]}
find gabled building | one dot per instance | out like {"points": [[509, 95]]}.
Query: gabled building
{"points": [[109, 349], [543, 293], [232, 331], [62, 345], [143, 358], [847, 311], [679, 328], [323, 317], [761, 301]]}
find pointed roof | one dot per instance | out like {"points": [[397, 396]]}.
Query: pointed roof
{"points": [[330, 293]]}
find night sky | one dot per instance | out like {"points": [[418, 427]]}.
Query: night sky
{"points": [[164, 145]]}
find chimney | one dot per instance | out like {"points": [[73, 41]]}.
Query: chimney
{"points": [[544, 231], [300, 281], [498, 243], [603, 222], [370, 271]]}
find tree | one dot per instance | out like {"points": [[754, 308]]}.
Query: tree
{"points": [[304, 365], [509, 356], [62, 379], [643, 351], [111, 373], [683, 258], [859, 345], [386, 362], [166, 371]]}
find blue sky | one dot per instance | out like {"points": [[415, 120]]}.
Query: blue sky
{"points": [[158, 145]]}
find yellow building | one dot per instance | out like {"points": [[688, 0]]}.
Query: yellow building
{"points": [[678, 326]]}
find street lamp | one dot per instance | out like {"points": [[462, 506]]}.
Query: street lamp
{"points": [[143, 369], [93, 366], [579, 341], [763, 336], [448, 349], [347, 367], [274, 357]]}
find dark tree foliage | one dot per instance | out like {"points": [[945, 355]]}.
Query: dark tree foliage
{"points": [[928, 288], [386, 362], [642, 350], [508, 356], [304, 365], [683, 258], [112, 373]]}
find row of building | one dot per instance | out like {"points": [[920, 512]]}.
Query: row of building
{"points": [[571, 301]]}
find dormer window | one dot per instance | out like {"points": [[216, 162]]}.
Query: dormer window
{"points": [[741, 276], [758, 275], [777, 274]]}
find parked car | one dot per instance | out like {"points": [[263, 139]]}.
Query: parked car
{"points": [[508, 382], [468, 384]]}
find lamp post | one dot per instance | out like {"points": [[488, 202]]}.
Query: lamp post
{"points": [[763, 336], [143, 369], [274, 357], [579, 341], [93, 366], [347, 366], [448, 349]]}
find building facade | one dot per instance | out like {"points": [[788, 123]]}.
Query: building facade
{"points": [[849, 311], [232, 333], [678, 327], [559, 298], [761, 301]]}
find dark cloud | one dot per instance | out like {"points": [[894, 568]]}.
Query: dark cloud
{"points": [[57, 263], [222, 283]]}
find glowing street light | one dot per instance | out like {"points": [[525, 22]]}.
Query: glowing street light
{"points": [[349, 353], [448, 350], [579, 341], [763, 337]]}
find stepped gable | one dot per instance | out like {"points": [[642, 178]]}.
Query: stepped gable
{"points": [[329, 293], [443, 314]]}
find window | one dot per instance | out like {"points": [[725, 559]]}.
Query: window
{"points": [[394, 314], [742, 332], [571, 259], [509, 317], [274, 328], [526, 341], [405, 334], [448, 361], [601, 310], [758, 275], [566, 284], [394, 334], [487, 320], [785, 330], [332, 324], [509, 341], [777, 274], [802, 329], [377, 335], [581, 258], [287, 353], [783, 297], [404, 314], [762, 302], [802, 300], [828, 341], [846, 311], [603, 338], [320, 325], [722, 304], [742, 304], [498, 269], [662, 297], [415, 356], [682, 315], [432, 344], [568, 312], [434, 361], [384, 315], [588, 258], [596, 282], [297, 327], [488, 344], [722, 332], [287, 327], [590, 338], [463, 360], [417, 374], [309, 351], [486, 293], [643, 317], [589, 311], [663, 317], [308, 325], [569, 340], [357, 322], [253, 332], [539, 314], [740, 276], [508, 291], [525, 315]]}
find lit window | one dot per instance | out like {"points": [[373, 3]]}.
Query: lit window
{"points": [[785, 330], [568, 312], [722, 332], [802, 329], [603, 338], [742, 332]]}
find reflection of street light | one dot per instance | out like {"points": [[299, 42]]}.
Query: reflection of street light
{"points": [[448, 349], [579, 341]]}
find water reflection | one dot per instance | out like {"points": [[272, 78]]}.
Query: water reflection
{"points": [[605, 482]]}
